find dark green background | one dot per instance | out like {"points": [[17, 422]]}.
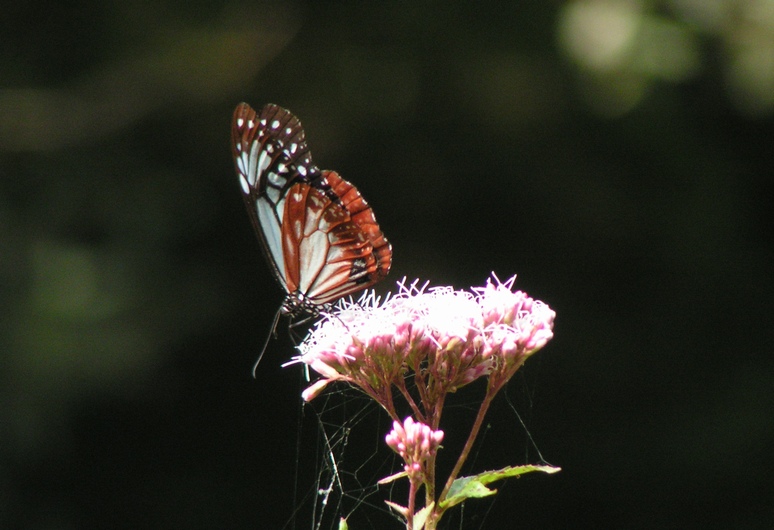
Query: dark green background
{"points": [[632, 196]]}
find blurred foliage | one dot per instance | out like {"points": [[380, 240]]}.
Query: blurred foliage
{"points": [[614, 153], [622, 47]]}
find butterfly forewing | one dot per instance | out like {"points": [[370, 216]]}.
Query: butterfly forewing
{"points": [[318, 233], [270, 154]]}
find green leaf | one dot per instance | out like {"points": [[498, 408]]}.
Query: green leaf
{"points": [[343, 524], [402, 510], [475, 486], [421, 516], [387, 480]]}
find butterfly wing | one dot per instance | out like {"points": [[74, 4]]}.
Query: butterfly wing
{"points": [[318, 233], [271, 156], [376, 259], [333, 244]]}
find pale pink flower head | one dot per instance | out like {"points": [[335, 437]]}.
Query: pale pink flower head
{"points": [[415, 442], [515, 325], [451, 337]]}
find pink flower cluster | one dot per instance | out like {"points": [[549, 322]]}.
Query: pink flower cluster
{"points": [[447, 338], [415, 443]]}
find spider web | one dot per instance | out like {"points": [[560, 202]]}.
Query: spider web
{"points": [[507, 439], [341, 455]]}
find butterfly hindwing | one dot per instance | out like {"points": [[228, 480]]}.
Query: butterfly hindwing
{"points": [[331, 251]]}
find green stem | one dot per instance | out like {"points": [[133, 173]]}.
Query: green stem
{"points": [[430, 480], [407, 396], [411, 504], [490, 394]]}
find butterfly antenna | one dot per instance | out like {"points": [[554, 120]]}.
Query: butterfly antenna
{"points": [[272, 333]]}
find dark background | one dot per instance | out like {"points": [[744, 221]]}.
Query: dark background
{"points": [[618, 158]]}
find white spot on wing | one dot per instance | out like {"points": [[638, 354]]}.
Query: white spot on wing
{"points": [[252, 169], [245, 186], [272, 234], [301, 170], [240, 122], [275, 124], [313, 256], [275, 179], [263, 162], [250, 124]]}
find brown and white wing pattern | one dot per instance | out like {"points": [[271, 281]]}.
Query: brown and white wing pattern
{"points": [[318, 233]]}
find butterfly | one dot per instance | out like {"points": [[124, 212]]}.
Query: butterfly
{"points": [[316, 230]]}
